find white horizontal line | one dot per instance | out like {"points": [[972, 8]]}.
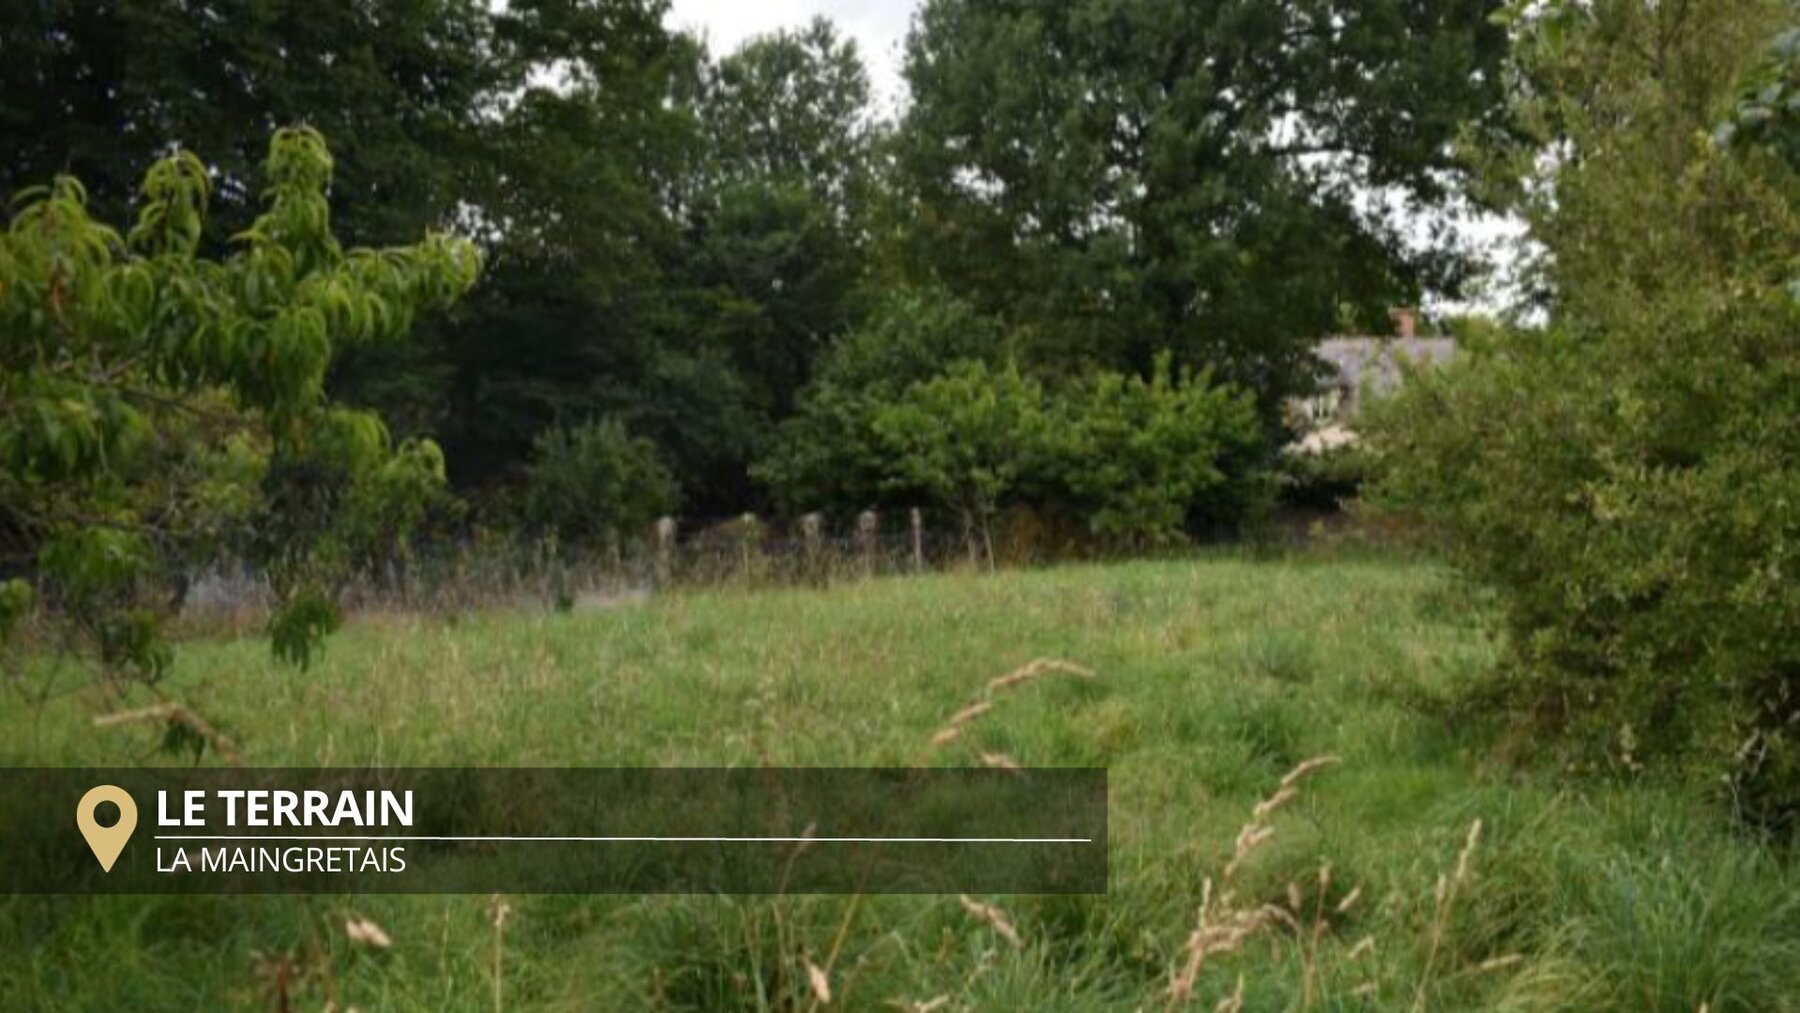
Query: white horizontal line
{"points": [[675, 840]]}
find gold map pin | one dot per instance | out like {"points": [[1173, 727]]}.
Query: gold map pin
{"points": [[107, 842]]}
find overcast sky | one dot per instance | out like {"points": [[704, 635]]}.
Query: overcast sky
{"points": [[878, 26]]}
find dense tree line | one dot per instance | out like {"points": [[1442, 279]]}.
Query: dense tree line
{"points": [[690, 252]]}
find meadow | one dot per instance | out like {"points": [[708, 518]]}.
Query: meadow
{"points": [[1425, 859]]}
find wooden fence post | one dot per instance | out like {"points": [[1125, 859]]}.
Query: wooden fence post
{"points": [[812, 548], [663, 535], [918, 532], [868, 533], [750, 532]]}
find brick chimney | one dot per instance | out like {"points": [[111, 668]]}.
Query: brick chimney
{"points": [[1406, 320]]}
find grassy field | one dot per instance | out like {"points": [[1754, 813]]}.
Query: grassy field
{"points": [[1212, 680]]}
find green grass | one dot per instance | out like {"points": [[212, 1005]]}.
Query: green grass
{"points": [[1214, 678]]}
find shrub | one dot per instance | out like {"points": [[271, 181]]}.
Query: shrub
{"points": [[1326, 480], [1627, 478], [1642, 532], [1137, 458], [966, 438], [594, 483], [828, 456]]}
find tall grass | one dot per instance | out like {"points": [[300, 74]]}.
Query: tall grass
{"points": [[1200, 685]]}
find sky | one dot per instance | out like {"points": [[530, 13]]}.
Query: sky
{"points": [[878, 26]]}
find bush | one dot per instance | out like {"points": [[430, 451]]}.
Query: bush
{"points": [[1327, 480], [828, 456], [595, 483], [966, 438], [1642, 526], [1629, 478], [925, 403], [1139, 458]]}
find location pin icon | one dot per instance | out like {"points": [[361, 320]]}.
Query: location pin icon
{"points": [[107, 842]]}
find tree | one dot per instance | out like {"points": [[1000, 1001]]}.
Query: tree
{"points": [[1138, 461], [411, 93], [1117, 177], [828, 455], [1624, 478], [777, 274], [158, 407], [595, 483], [583, 311], [98, 90], [777, 216], [560, 134], [966, 438], [793, 105]]}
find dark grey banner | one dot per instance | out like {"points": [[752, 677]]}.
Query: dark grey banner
{"points": [[532, 830]]}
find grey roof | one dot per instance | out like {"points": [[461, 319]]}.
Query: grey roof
{"points": [[1374, 362]]}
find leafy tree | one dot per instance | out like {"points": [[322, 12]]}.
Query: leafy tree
{"points": [[966, 438], [595, 483], [582, 313], [793, 105], [1118, 177], [1580, 73], [158, 407], [1624, 478], [1137, 460], [560, 134], [778, 275], [1138, 457], [98, 90], [828, 456], [777, 213]]}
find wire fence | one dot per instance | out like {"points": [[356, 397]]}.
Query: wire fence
{"points": [[512, 571], [475, 573]]}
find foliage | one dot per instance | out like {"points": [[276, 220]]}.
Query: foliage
{"points": [[1326, 480], [1768, 110], [1136, 460], [596, 483], [1625, 478], [158, 407], [793, 105], [96, 91], [1138, 457], [588, 309], [680, 239], [562, 134], [828, 455], [965, 438], [688, 285], [774, 221], [1121, 177], [780, 270]]}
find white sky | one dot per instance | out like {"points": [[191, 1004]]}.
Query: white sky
{"points": [[878, 26]]}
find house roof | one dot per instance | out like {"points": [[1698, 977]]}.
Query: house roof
{"points": [[1376, 360]]}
